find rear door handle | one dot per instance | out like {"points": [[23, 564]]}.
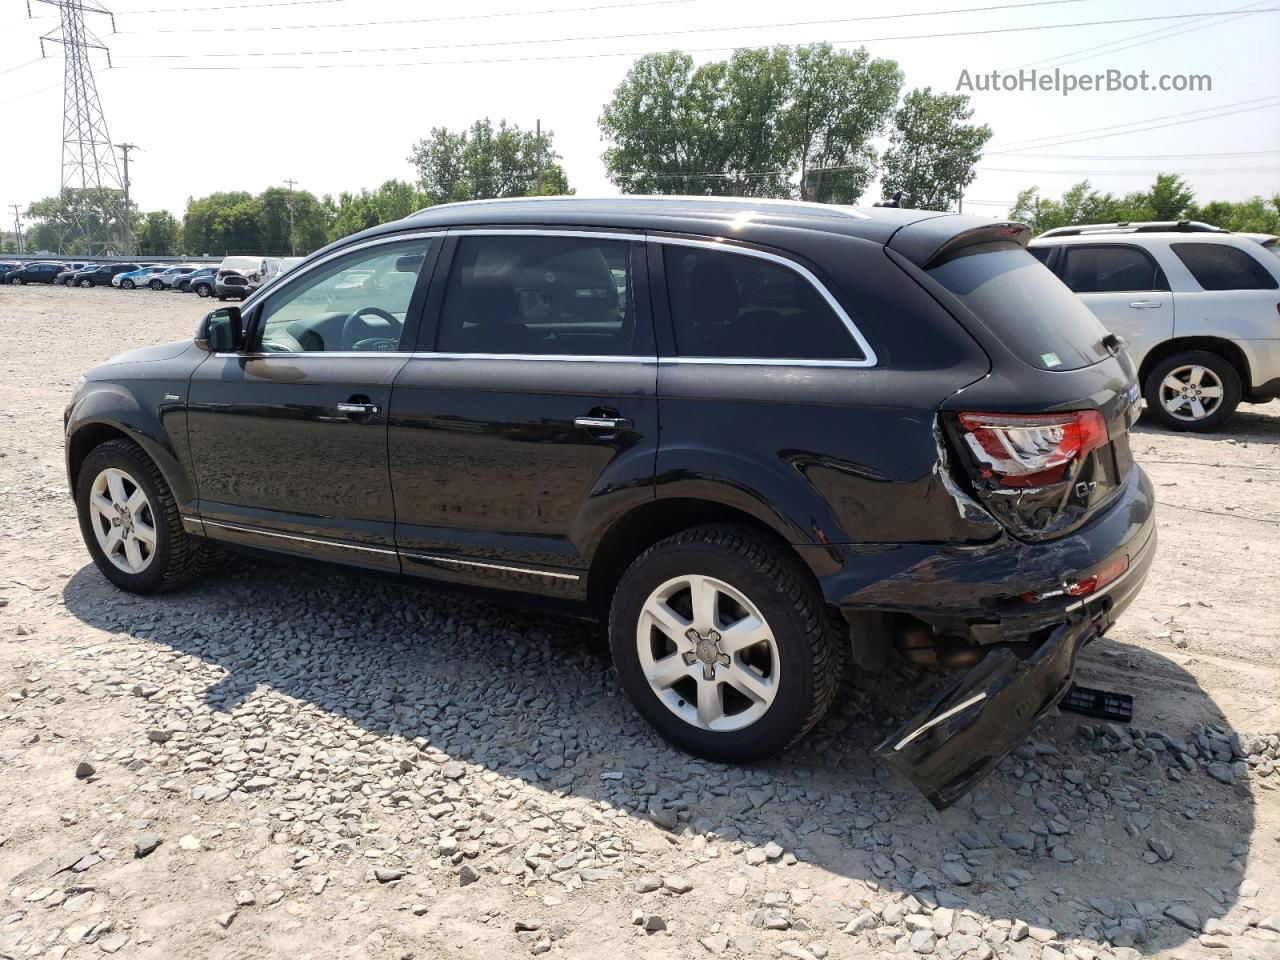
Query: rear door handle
{"points": [[358, 409], [1146, 304]]}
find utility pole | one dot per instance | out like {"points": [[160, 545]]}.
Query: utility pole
{"points": [[124, 149], [293, 249], [17, 226], [89, 172], [538, 136]]}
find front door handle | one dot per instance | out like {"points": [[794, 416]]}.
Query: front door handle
{"points": [[603, 425], [1145, 304], [358, 409]]}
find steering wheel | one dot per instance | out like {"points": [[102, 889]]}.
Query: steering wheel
{"points": [[361, 334]]}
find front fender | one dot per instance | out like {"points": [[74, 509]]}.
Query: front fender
{"points": [[151, 413]]}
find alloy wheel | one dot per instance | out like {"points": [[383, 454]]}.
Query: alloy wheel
{"points": [[1191, 392], [123, 520], [708, 653]]}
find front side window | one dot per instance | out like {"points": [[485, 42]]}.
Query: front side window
{"points": [[737, 306], [1111, 269], [1217, 266], [354, 303], [539, 295]]}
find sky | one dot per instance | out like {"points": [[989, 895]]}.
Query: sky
{"points": [[232, 95]]}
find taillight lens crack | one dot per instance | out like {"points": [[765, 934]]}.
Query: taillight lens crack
{"points": [[1027, 450]]}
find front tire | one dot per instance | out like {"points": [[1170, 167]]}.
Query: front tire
{"points": [[130, 522], [126, 284], [1193, 391], [156, 285], [16, 282], [722, 642]]}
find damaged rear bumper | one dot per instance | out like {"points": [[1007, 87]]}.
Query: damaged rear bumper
{"points": [[963, 733]]}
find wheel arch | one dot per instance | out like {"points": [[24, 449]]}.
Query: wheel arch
{"points": [[643, 526], [1220, 346], [84, 435]]}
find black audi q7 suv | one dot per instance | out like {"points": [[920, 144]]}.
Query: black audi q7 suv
{"points": [[759, 439]]}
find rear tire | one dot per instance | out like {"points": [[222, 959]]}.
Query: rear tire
{"points": [[156, 285], [1193, 391], [767, 658], [123, 499], [202, 290]]}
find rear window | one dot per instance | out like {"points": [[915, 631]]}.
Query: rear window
{"points": [[1025, 305], [1217, 266]]}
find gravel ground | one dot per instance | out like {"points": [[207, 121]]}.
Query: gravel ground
{"points": [[290, 758]]}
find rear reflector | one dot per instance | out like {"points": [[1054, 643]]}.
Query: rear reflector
{"points": [[1086, 585], [1031, 450]]}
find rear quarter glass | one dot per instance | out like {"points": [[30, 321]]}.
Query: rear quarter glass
{"points": [[1032, 312]]}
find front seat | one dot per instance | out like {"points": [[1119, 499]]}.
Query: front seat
{"points": [[491, 322]]}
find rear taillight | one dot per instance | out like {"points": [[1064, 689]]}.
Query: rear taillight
{"points": [[1031, 450]]}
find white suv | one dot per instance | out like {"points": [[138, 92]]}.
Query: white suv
{"points": [[1199, 312]]}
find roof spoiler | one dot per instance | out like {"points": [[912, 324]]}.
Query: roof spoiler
{"points": [[926, 243]]}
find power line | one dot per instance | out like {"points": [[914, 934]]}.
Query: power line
{"points": [[579, 9], [590, 56], [1036, 143], [1143, 156], [1098, 49], [1136, 173], [413, 20]]}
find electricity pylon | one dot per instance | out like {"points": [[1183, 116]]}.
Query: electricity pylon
{"points": [[91, 184]]}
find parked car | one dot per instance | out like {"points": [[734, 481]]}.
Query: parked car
{"points": [[1270, 242], [100, 275], [7, 265], [168, 278], [38, 272], [200, 282], [1198, 313], [1134, 226], [137, 278], [68, 271], [241, 275], [792, 434]]}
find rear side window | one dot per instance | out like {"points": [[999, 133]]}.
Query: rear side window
{"points": [[1111, 269], [1040, 253], [737, 306], [539, 295], [1026, 306], [1217, 266]]}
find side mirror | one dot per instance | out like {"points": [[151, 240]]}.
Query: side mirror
{"points": [[222, 331]]}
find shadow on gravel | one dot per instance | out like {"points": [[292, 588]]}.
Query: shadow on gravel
{"points": [[1092, 831]]}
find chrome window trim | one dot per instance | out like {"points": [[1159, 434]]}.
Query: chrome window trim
{"points": [[722, 245], [321, 541], [431, 558], [338, 354], [290, 277], [868, 355], [621, 234], [572, 357]]}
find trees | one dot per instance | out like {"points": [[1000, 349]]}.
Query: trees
{"points": [[933, 149], [484, 161], [750, 125], [62, 220], [840, 101], [1168, 198], [156, 234], [239, 222], [393, 200]]}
